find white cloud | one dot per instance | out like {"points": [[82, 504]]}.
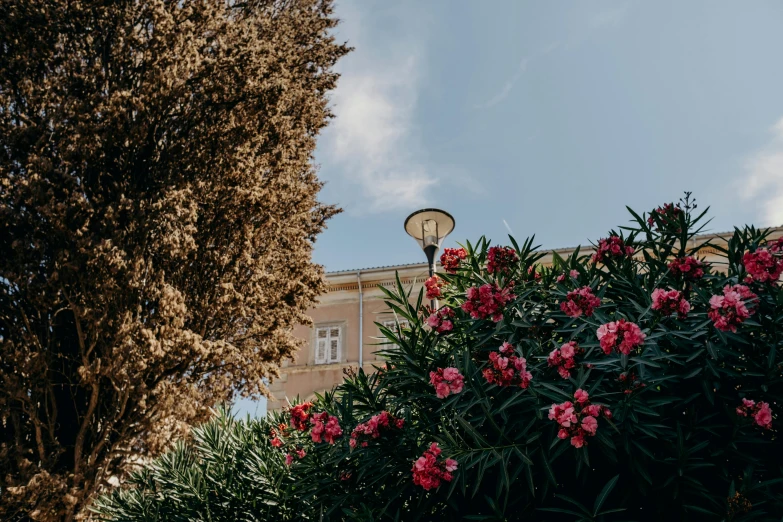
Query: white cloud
{"points": [[764, 181], [371, 147], [506, 90], [610, 17]]}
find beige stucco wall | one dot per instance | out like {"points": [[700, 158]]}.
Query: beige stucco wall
{"points": [[340, 306]]}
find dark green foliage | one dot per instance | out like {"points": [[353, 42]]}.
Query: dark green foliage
{"points": [[674, 449]]}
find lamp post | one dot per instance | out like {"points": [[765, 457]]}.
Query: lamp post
{"points": [[429, 227]]}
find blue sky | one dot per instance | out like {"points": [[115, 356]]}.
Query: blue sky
{"points": [[548, 118], [551, 116]]}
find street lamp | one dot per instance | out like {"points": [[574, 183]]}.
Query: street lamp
{"points": [[429, 227]]}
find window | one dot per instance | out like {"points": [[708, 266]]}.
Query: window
{"points": [[328, 344], [391, 324]]}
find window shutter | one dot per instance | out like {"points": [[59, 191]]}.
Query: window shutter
{"points": [[334, 349], [322, 335]]}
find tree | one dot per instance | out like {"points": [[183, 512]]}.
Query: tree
{"points": [[640, 383], [158, 205]]}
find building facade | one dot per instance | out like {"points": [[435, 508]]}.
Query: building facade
{"points": [[345, 334]]}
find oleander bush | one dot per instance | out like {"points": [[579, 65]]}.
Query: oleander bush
{"points": [[637, 383]]}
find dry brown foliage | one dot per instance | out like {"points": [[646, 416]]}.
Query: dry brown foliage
{"points": [[157, 213]]}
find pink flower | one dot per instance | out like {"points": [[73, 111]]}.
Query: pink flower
{"points": [[371, 429], [620, 335], [451, 259], [301, 453], [581, 301], [507, 371], [689, 267], [564, 358], [763, 266], [289, 459], [611, 247], [561, 278], [433, 286], [579, 420], [325, 427], [574, 274], [275, 442], [763, 416], [440, 320], [429, 470], [670, 301], [590, 425], [730, 310], [488, 301], [760, 412], [500, 259], [447, 381]]}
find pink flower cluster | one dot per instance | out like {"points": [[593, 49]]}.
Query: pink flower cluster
{"points": [[371, 429], [620, 335], [429, 469], [763, 266], [668, 215], [611, 247], [451, 259], [564, 358], [777, 246], [488, 301], [689, 267], [670, 301], [578, 420], [289, 458], [581, 301], [447, 381], [533, 274], [500, 259], [441, 321], [325, 427], [761, 412], [573, 273], [728, 311], [507, 369], [300, 416], [433, 286]]}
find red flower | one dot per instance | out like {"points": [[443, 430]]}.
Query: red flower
{"points": [[668, 215], [488, 301], [731, 309], [763, 266], [300, 416], [500, 259], [581, 301], [451, 259], [611, 247], [689, 267], [669, 302], [433, 286], [429, 469]]}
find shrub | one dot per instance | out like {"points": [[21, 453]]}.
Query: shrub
{"points": [[639, 407]]}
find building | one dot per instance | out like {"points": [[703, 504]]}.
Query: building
{"points": [[345, 335]]}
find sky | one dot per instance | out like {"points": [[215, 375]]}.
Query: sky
{"points": [[548, 118]]}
